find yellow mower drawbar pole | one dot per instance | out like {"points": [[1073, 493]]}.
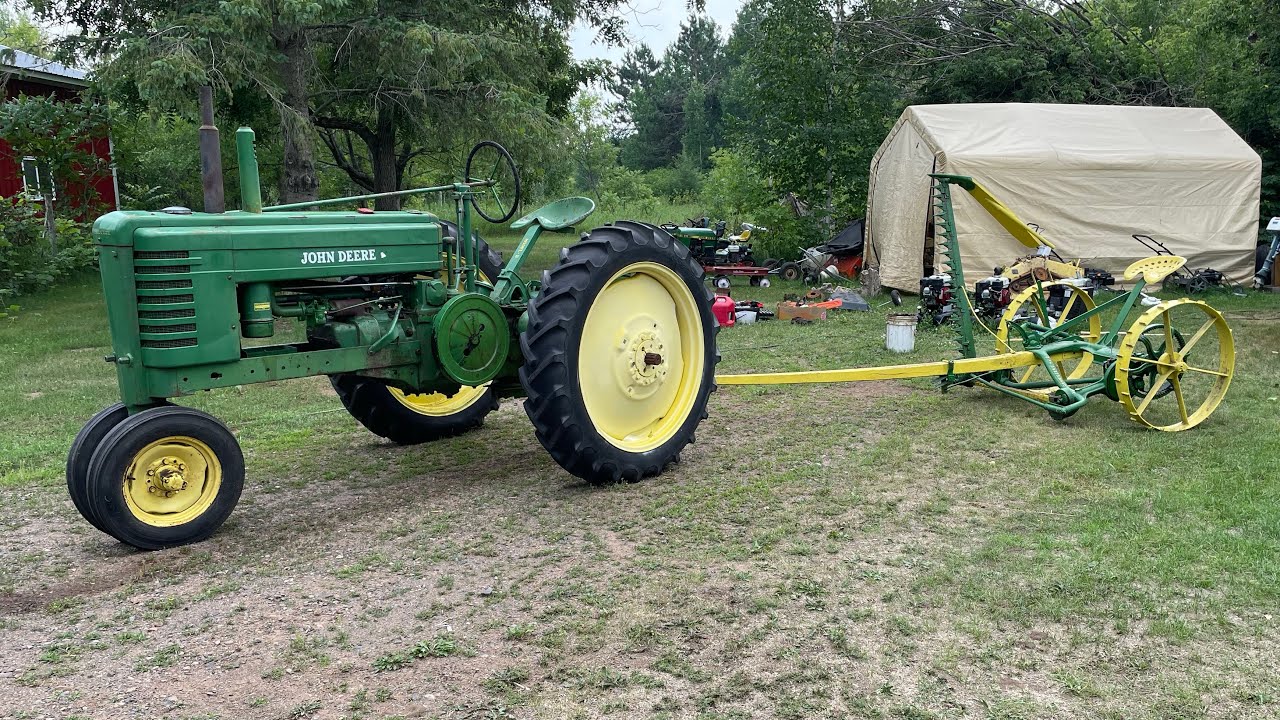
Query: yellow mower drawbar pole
{"points": [[940, 368]]}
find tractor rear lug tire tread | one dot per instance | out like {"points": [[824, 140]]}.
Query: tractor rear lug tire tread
{"points": [[556, 320], [371, 403]]}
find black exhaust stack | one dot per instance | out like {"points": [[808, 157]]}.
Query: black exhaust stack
{"points": [[210, 155]]}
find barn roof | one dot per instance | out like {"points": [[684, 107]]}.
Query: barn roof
{"points": [[33, 67]]}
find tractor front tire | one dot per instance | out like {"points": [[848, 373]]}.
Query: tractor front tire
{"points": [[412, 419], [619, 354], [165, 477], [87, 440]]}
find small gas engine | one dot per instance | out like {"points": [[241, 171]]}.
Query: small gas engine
{"points": [[937, 300]]}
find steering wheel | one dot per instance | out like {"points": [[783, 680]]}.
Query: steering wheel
{"points": [[496, 181]]}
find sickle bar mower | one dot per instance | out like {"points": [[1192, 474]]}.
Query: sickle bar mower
{"points": [[1169, 366]]}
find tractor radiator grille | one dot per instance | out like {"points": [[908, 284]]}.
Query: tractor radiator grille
{"points": [[163, 284], [187, 327], [158, 335], [165, 299], [165, 314], [186, 342]]}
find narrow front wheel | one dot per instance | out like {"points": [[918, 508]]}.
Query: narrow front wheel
{"points": [[165, 477]]}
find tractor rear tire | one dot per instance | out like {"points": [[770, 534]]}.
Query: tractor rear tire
{"points": [[165, 477], [489, 260], [619, 354], [413, 419]]}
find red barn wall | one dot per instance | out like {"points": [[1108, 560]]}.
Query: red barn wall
{"points": [[11, 165]]}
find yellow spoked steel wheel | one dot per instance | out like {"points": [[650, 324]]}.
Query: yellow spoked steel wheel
{"points": [[163, 477], [641, 356], [1174, 365], [619, 354], [172, 481], [440, 404], [1023, 305]]}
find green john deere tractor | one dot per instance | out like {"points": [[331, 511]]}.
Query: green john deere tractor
{"points": [[418, 324]]}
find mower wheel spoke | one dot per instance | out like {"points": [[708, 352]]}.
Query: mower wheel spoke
{"points": [[1196, 338], [1182, 403], [1154, 390]]}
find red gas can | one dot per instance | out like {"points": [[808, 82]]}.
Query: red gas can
{"points": [[722, 307]]}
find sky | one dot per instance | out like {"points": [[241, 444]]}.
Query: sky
{"points": [[653, 22]]}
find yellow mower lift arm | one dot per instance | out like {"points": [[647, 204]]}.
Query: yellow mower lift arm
{"points": [[1007, 218]]}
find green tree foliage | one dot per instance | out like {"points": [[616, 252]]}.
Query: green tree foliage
{"points": [[386, 84], [673, 106], [1227, 53], [806, 112], [594, 156], [18, 32]]}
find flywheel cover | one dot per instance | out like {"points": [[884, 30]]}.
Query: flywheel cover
{"points": [[472, 338]]}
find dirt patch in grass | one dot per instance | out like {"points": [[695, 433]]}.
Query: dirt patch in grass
{"points": [[806, 558]]}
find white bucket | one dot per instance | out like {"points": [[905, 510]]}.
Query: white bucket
{"points": [[900, 332]]}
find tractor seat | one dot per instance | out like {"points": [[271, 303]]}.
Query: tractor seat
{"points": [[1154, 269], [558, 215]]}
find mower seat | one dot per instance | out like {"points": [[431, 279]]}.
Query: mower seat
{"points": [[1155, 268], [559, 215]]}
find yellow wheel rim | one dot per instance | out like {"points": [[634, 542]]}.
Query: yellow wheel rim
{"points": [[439, 404], [1071, 367], [172, 481], [1175, 364], [641, 357]]}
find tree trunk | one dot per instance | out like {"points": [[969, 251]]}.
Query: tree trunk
{"points": [[298, 181], [386, 170], [50, 223]]}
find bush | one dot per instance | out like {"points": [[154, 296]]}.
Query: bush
{"points": [[621, 186], [787, 233], [27, 262], [735, 188], [736, 191], [679, 183]]}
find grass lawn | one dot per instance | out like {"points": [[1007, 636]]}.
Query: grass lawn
{"points": [[871, 550]]}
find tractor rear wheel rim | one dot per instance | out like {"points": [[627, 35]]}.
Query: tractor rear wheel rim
{"points": [[641, 357], [439, 404], [172, 481]]}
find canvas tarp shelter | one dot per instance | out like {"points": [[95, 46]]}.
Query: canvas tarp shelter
{"points": [[1088, 176]]}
